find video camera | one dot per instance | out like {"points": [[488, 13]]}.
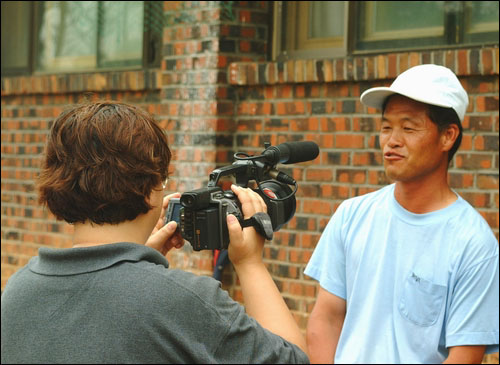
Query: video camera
{"points": [[201, 214]]}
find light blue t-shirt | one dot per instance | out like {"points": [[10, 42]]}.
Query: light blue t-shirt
{"points": [[414, 284]]}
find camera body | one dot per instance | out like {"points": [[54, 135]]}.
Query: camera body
{"points": [[203, 223], [201, 214]]}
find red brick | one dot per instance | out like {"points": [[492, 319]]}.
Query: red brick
{"points": [[310, 71], [381, 66], [349, 141], [414, 59], [487, 61], [463, 62], [319, 174], [450, 60], [466, 144], [328, 70], [392, 70], [489, 181], [403, 62], [272, 73], [244, 46], [473, 161]]}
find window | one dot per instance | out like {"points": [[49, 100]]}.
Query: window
{"points": [[312, 29], [309, 28], [75, 36]]}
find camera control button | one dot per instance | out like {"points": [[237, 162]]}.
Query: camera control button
{"points": [[229, 195]]}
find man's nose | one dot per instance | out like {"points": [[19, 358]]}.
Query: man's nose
{"points": [[395, 138]]}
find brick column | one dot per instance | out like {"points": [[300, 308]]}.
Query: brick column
{"points": [[200, 39]]}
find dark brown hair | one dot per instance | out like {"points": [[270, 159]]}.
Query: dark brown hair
{"points": [[442, 117], [102, 161]]}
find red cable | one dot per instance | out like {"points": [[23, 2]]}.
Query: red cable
{"points": [[216, 257]]}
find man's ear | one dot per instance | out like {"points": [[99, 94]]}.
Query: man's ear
{"points": [[449, 136]]}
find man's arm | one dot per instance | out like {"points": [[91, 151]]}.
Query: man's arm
{"points": [[324, 327], [263, 301], [465, 355]]}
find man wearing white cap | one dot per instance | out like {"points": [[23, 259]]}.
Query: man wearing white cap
{"points": [[409, 273]]}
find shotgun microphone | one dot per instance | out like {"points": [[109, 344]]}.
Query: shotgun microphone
{"points": [[291, 152]]}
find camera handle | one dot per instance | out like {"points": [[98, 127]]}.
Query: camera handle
{"points": [[243, 170], [262, 224]]}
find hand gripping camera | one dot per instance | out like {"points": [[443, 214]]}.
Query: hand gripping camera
{"points": [[201, 214]]}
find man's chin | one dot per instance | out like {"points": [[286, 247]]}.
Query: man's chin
{"points": [[393, 175]]}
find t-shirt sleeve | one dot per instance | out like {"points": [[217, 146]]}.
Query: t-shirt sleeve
{"points": [[473, 315], [246, 341], [218, 330], [328, 261]]}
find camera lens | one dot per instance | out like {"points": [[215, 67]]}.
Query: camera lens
{"points": [[280, 211]]}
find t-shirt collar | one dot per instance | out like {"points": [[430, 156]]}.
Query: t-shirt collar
{"points": [[78, 260]]}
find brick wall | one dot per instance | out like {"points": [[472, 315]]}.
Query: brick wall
{"points": [[216, 94]]}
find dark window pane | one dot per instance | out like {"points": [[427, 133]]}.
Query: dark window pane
{"points": [[400, 24], [16, 17], [481, 22]]}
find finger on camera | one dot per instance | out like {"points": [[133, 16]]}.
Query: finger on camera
{"points": [[167, 198], [234, 228], [249, 198], [249, 205]]}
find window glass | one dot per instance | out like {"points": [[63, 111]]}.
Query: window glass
{"points": [[322, 20], [481, 21], [396, 19], [67, 35], [483, 15], [400, 24], [122, 33], [389, 25], [87, 35]]}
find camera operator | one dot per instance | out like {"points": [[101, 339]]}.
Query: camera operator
{"points": [[111, 298]]}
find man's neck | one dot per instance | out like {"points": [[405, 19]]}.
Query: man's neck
{"points": [[424, 197], [88, 234]]}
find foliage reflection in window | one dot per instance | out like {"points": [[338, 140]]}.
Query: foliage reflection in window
{"points": [[85, 35]]}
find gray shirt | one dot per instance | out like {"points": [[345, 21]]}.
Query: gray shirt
{"points": [[120, 303]]}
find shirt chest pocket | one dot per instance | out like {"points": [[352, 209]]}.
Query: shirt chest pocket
{"points": [[421, 300]]}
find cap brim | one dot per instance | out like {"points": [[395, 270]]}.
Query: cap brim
{"points": [[376, 96]]}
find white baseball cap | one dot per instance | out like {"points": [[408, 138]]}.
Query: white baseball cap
{"points": [[429, 84]]}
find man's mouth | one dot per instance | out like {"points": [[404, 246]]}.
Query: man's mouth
{"points": [[392, 156]]}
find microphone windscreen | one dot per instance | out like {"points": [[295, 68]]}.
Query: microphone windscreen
{"points": [[300, 151]]}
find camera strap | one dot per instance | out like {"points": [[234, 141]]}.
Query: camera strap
{"points": [[262, 224]]}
